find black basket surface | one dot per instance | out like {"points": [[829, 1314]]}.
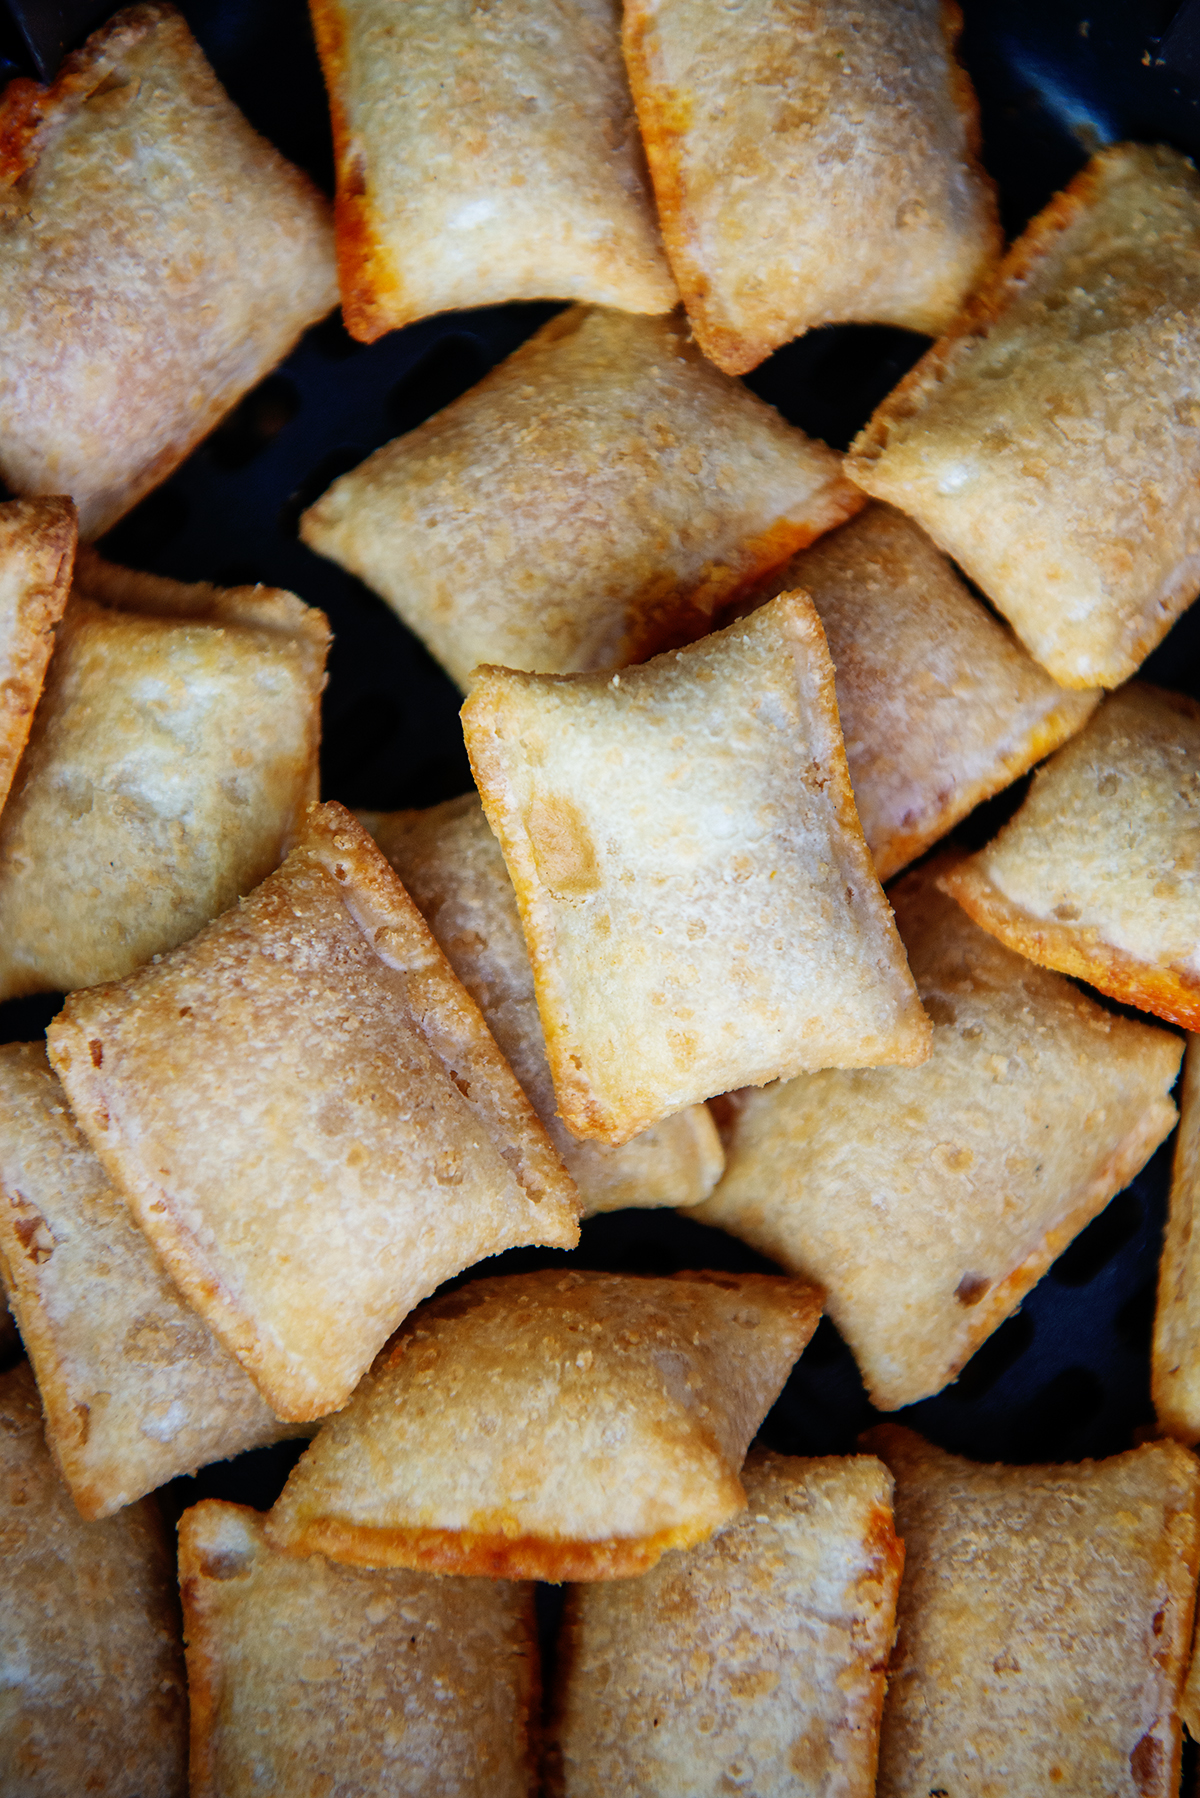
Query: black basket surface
{"points": [[1067, 1376]]}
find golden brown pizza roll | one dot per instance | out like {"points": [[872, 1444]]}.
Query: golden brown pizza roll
{"points": [[1096, 874], [928, 1201], [307, 1678], [485, 154], [557, 1425], [157, 258], [753, 1663], [599, 496], [170, 761], [699, 904], [451, 865], [94, 1694], [811, 165], [1175, 1356], [1050, 443], [135, 1388], [309, 1119], [1045, 1618], [939, 707], [37, 550]]}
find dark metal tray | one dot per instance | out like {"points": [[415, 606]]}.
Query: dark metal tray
{"points": [[1067, 1377]]}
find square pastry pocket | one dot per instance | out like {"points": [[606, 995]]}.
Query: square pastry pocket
{"points": [[1175, 1355], [1044, 1623], [812, 165], [170, 760], [1050, 442], [699, 904], [310, 1678], [928, 1201], [37, 551], [600, 495], [135, 1387], [754, 1662], [157, 259], [309, 1118], [556, 1425], [1098, 874], [939, 705], [95, 1698], [485, 153]]}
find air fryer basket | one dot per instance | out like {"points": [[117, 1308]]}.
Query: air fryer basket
{"points": [[1068, 1375]]}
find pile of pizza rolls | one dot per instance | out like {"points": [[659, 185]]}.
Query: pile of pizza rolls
{"points": [[720, 683]]}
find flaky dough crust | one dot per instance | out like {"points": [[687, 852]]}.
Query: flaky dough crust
{"points": [[485, 153], [557, 1425], [310, 1119], [1051, 441], [599, 496], [1045, 1618], [307, 1678], [37, 552], [1096, 875], [928, 1201], [762, 1650], [157, 258], [814, 162], [94, 1692], [135, 1388]]}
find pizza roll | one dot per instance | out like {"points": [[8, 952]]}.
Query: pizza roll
{"points": [[37, 550], [1174, 1359], [599, 496], [485, 154], [699, 904], [170, 761], [811, 166], [452, 867], [1051, 442], [752, 1663], [94, 1693], [309, 1119], [939, 707], [1045, 1618], [157, 259], [557, 1425], [1096, 874], [308, 1678], [929, 1201], [135, 1388]]}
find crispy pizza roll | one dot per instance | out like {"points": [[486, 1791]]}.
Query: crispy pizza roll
{"points": [[811, 166], [1175, 1355], [752, 1663], [600, 495], [451, 865], [485, 154], [135, 1388], [699, 904], [94, 1693], [1051, 442], [37, 551], [556, 1425], [1096, 875], [928, 1201], [309, 1119], [307, 1678], [157, 258], [170, 761], [1045, 1618], [939, 707]]}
